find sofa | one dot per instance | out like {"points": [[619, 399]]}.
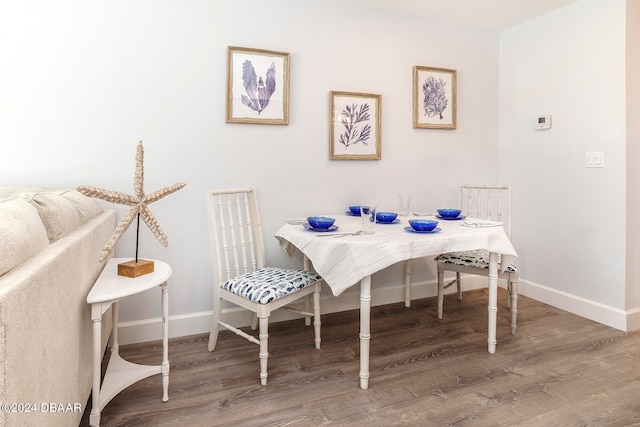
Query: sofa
{"points": [[50, 242]]}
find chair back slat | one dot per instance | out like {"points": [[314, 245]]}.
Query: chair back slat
{"points": [[487, 202], [235, 232]]}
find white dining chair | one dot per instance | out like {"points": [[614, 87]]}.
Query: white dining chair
{"points": [[240, 276], [489, 203]]}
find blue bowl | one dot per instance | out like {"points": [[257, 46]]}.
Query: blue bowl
{"points": [[423, 224], [386, 216], [449, 213], [320, 221], [355, 210]]}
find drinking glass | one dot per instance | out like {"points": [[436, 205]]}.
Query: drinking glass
{"points": [[405, 203], [368, 217]]}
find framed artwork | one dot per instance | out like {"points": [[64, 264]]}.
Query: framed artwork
{"points": [[354, 123], [434, 98], [257, 86]]}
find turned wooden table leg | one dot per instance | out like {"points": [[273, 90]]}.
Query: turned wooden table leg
{"points": [[365, 330], [493, 301]]}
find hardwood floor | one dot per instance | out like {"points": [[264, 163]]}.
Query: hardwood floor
{"points": [[559, 370]]}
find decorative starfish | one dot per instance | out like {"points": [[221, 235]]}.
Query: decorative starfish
{"points": [[138, 205]]}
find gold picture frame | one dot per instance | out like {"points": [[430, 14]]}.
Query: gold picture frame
{"points": [[434, 98], [257, 86], [355, 126]]}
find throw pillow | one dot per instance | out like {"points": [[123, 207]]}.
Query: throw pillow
{"points": [[22, 233], [62, 211]]}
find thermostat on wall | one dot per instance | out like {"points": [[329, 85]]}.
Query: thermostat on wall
{"points": [[543, 122]]}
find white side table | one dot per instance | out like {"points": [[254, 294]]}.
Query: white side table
{"points": [[106, 292]]}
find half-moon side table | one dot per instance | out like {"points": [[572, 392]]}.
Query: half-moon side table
{"points": [[106, 292]]}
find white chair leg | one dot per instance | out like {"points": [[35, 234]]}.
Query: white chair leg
{"points": [[459, 285], [254, 322], [215, 327], [307, 308], [306, 262], [264, 348], [316, 315], [407, 283], [440, 292], [513, 293]]}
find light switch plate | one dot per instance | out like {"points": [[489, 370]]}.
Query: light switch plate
{"points": [[543, 122], [594, 159]]}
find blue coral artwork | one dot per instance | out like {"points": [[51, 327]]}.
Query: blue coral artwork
{"points": [[434, 98], [355, 126], [257, 86], [259, 91]]}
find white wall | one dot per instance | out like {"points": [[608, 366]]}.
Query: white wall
{"points": [[81, 82], [632, 299], [569, 220]]}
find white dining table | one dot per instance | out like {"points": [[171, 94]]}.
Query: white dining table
{"points": [[346, 260]]}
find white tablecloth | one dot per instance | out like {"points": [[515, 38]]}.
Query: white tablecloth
{"points": [[344, 261]]}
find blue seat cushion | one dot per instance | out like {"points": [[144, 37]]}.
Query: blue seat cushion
{"points": [[269, 283], [476, 258]]}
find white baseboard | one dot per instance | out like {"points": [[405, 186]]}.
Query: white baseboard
{"points": [[598, 312], [633, 319], [198, 323]]}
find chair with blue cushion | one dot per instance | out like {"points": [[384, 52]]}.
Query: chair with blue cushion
{"points": [[491, 203], [241, 278]]}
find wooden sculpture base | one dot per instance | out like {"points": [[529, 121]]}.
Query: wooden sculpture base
{"points": [[135, 269]]}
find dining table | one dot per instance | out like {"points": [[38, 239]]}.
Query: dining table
{"points": [[345, 257]]}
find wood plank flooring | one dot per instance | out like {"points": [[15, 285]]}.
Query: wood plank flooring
{"points": [[559, 370]]}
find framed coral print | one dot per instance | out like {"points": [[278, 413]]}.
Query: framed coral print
{"points": [[434, 98], [257, 86], [355, 122]]}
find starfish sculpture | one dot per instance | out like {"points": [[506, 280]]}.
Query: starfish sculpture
{"points": [[138, 205]]}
